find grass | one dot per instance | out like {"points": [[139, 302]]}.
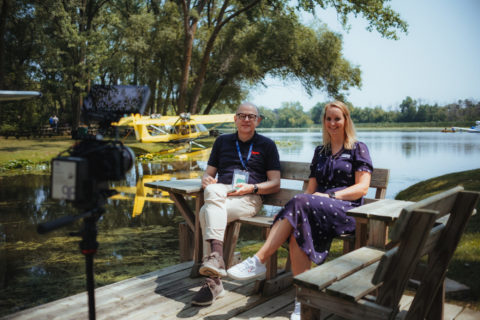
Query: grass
{"points": [[25, 154], [34, 150]]}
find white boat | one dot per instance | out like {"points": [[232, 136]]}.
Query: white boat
{"points": [[473, 129]]}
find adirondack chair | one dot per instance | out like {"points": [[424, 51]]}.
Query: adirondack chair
{"points": [[369, 283]]}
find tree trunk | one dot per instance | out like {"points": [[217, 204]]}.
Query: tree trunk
{"points": [[151, 100], [215, 96], [203, 70], [3, 25], [209, 47]]}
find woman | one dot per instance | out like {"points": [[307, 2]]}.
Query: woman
{"points": [[340, 176]]}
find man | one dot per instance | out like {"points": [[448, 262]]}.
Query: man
{"points": [[247, 165]]}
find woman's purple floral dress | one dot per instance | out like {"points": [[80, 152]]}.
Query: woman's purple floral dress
{"points": [[317, 220]]}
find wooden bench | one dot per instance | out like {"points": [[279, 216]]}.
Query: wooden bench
{"points": [[298, 171], [369, 283]]}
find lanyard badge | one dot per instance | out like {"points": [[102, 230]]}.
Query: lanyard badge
{"points": [[241, 176]]}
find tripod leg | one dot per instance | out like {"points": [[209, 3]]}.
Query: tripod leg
{"points": [[90, 286], [89, 246]]}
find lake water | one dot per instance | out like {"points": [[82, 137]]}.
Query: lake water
{"points": [[410, 156], [38, 268]]}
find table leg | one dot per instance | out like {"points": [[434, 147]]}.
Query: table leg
{"points": [[184, 209], [378, 233], [198, 251], [361, 232]]}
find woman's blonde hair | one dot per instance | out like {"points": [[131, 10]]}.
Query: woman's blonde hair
{"points": [[349, 128]]}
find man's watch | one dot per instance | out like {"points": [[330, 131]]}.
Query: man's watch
{"points": [[255, 189], [332, 195]]}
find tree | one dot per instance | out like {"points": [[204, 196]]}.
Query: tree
{"points": [[269, 118], [408, 110], [197, 56], [213, 18], [76, 43], [316, 113], [291, 115]]}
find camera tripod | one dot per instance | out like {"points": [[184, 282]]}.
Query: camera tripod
{"points": [[88, 245]]}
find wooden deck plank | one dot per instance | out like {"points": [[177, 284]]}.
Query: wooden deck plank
{"points": [[282, 314], [468, 314], [166, 294], [76, 306], [149, 298], [177, 305], [265, 309], [451, 311]]}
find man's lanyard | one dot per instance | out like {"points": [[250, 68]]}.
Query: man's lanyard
{"points": [[244, 164]]}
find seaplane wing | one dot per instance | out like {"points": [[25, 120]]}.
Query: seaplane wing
{"points": [[214, 118], [173, 120], [184, 127]]}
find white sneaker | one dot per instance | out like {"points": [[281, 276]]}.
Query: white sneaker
{"points": [[296, 311], [248, 269]]}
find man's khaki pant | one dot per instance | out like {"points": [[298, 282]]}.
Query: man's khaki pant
{"points": [[219, 210]]}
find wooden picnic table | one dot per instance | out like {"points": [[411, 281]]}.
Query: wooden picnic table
{"points": [[379, 214]]}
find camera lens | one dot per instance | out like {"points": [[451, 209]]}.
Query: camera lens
{"points": [[128, 158]]}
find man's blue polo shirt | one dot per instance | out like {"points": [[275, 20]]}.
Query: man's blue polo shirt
{"points": [[225, 157]]}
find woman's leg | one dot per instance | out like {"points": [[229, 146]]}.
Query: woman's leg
{"points": [[299, 260], [280, 232]]}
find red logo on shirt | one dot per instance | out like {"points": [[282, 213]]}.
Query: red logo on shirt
{"points": [[255, 152]]}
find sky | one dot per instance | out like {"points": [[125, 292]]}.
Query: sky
{"points": [[438, 61]]}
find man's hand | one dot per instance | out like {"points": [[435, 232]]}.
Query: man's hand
{"points": [[206, 180], [241, 189], [209, 176], [321, 194]]}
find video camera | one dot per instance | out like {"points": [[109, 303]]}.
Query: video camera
{"points": [[81, 177]]}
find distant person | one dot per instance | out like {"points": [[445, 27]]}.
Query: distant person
{"points": [[50, 121], [55, 123], [242, 166], [340, 174]]}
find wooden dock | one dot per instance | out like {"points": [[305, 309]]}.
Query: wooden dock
{"points": [[166, 294]]}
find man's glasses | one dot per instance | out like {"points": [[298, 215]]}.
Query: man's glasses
{"points": [[245, 116]]}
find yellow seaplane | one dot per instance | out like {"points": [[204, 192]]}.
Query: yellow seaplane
{"points": [[182, 128]]}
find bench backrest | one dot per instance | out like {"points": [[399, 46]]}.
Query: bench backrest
{"points": [[418, 235], [292, 170]]}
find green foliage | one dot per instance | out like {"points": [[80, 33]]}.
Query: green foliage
{"points": [[291, 115], [7, 127]]}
